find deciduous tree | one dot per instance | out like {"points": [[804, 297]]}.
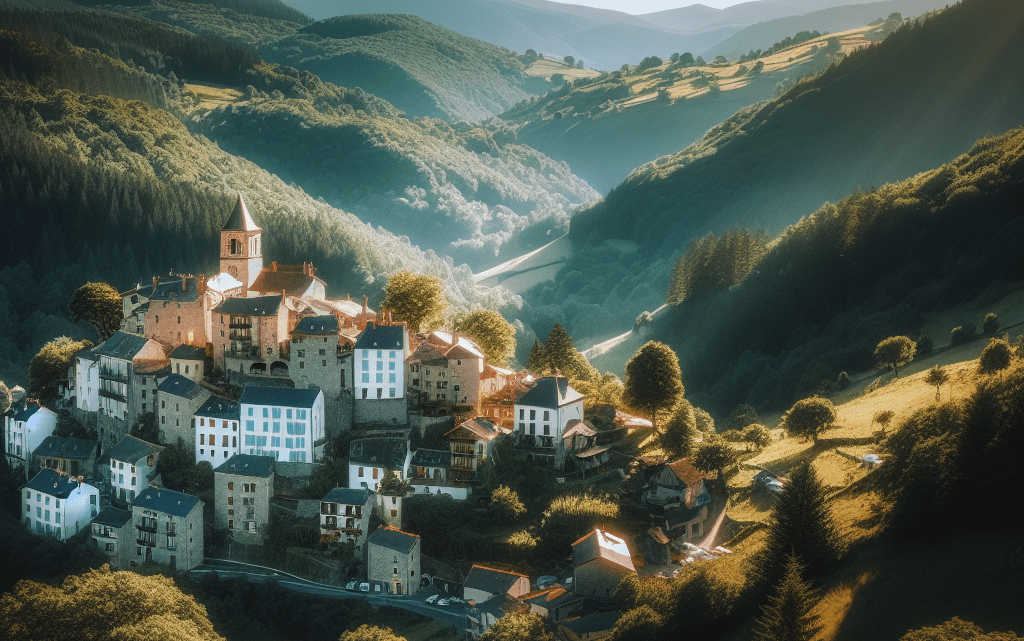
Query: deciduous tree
{"points": [[518, 626], [495, 336], [757, 435], [49, 367], [787, 616], [101, 604], [884, 417], [639, 624], [991, 323], [937, 377], [100, 305], [416, 299], [896, 351], [996, 356], [714, 455], [653, 380], [810, 417], [801, 524], [678, 435], [505, 505], [370, 633], [5, 398]]}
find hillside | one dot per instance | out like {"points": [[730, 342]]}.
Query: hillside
{"points": [[606, 126], [831, 20], [832, 286], [423, 69], [419, 67], [102, 188], [603, 39], [472, 193], [907, 104]]}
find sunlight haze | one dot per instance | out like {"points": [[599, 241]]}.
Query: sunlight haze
{"points": [[640, 7]]}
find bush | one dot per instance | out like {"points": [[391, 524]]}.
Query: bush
{"points": [[962, 335], [505, 505], [991, 324], [924, 344], [843, 380], [996, 357]]}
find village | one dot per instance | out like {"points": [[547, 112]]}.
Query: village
{"points": [[306, 370]]}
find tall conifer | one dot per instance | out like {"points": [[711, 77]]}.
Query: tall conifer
{"points": [[787, 615]]}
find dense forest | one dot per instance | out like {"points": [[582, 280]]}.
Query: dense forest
{"points": [[768, 328], [909, 103]]}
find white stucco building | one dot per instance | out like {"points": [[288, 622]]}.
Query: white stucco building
{"points": [[132, 467], [217, 430], [54, 504], [281, 422], [542, 416], [26, 425]]}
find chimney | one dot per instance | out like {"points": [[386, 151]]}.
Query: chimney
{"points": [[201, 285], [348, 297], [388, 320], [273, 266], [305, 269]]}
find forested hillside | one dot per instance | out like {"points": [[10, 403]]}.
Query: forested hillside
{"points": [[423, 69], [768, 328], [907, 104], [139, 195]]}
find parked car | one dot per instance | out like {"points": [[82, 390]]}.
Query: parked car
{"points": [[431, 598], [352, 585], [443, 602], [364, 587]]}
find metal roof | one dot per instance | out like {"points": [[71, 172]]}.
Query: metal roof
{"points": [[113, 517], [392, 539], [258, 306], [382, 337], [317, 326], [379, 452], [121, 345], [69, 448], [279, 396], [551, 392], [188, 353], [248, 465], [240, 220], [431, 458], [53, 483], [601, 544], [178, 385], [347, 496], [130, 449], [490, 580], [166, 501], [21, 411], [217, 407]]}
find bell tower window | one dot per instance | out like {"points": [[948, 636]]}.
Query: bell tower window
{"points": [[234, 246]]}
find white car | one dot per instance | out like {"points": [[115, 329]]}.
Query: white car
{"points": [[443, 602], [431, 598], [352, 585], [364, 587]]}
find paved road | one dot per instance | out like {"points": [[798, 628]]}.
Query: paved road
{"points": [[450, 615]]}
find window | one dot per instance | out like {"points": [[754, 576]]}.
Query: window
{"points": [[202, 439], [391, 366], [365, 379], [224, 441], [546, 415], [250, 440], [231, 485], [360, 472], [391, 392], [375, 472], [522, 414], [231, 500], [250, 411], [250, 426], [275, 412], [533, 414], [275, 441]]}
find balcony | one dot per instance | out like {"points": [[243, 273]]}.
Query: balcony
{"points": [[113, 395], [111, 375], [146, 526], [146, 542], [240, 325]]}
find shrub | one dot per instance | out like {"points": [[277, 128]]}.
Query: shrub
{"points": [[996, 357], [991, 323], [810, 417], [924, 344], [961, 335], [505, 505], [758, 436], [843, 380]]}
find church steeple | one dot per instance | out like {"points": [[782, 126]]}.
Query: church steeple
{"points": [[241, 254]]}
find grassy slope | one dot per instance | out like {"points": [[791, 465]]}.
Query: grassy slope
{"points": [[606, 127], [910, 103], [884, 589]]}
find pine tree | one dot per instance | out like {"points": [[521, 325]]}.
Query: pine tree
{"points": [[536, 363], [802, 524], [787, 615], [677, 437]]}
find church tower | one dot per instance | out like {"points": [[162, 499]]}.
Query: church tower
{"points": [[241, 254]]}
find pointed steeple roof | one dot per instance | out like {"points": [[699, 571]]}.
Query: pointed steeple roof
{"points": [[240, 220]]}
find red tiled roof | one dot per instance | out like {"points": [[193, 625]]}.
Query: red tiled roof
{"points": [[686, 472]]}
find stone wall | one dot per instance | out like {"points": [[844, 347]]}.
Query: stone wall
{"points": [[380, 412]]}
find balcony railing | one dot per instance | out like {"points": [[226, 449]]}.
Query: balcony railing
{"points": [[114, 395], [146, 542], [146, 527]]}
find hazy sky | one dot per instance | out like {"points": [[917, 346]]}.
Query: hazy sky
{"points": [[649, 6]]}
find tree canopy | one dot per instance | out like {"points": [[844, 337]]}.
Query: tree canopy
{"points": [[100, 305], [787, 615], [49, 367], [895, 351], [370, 633], [416, 299], [937, 377], [653, 380], [677, 437], [561, 355], [810, 417], [101, 604], [801, 524], [518, 626], [505, 505], [995, 357], [495, 336], [713, 455]]}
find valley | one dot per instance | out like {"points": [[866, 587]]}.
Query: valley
{"points": [[580, 324]]}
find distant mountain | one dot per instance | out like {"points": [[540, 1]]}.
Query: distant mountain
{"points": [[763, 34], [604, 127], [914, 101], [602, 39]]}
